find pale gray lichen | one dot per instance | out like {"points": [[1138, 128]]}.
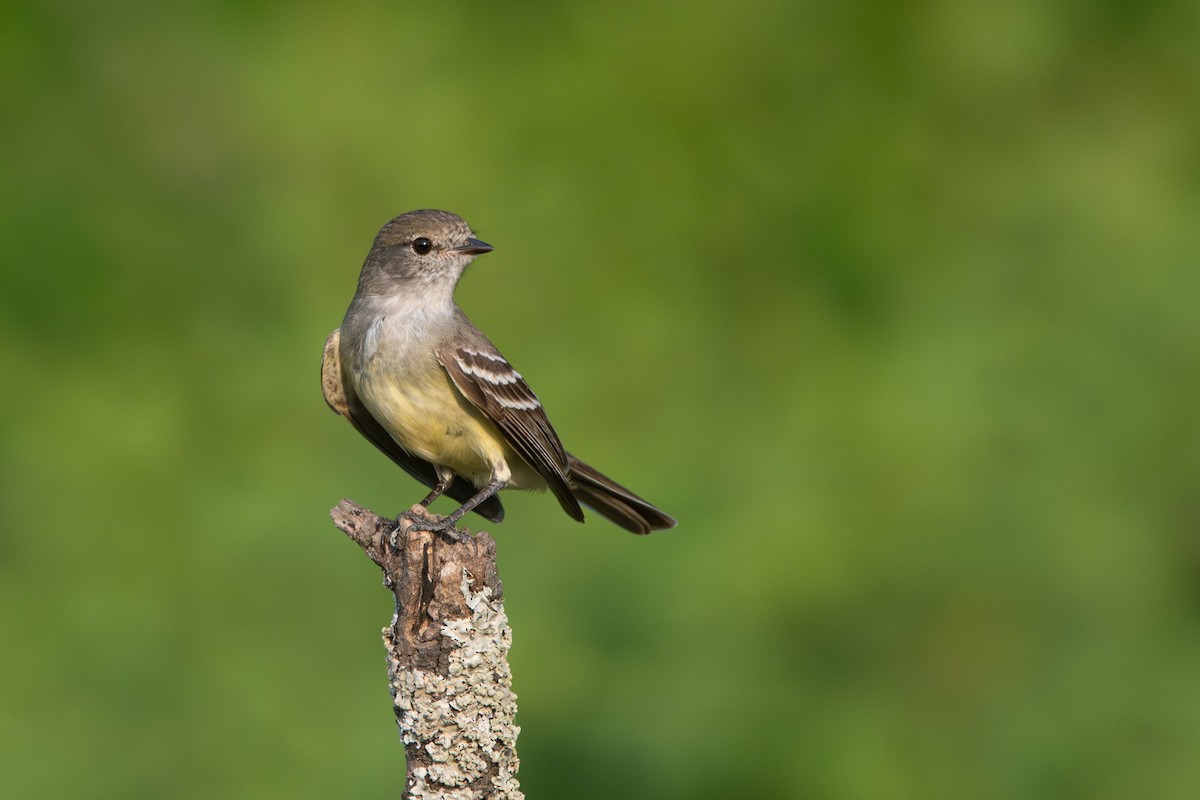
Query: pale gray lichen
{"points": [[463, 721]]}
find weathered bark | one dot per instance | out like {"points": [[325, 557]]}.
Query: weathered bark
{"points": [[447, 649]]}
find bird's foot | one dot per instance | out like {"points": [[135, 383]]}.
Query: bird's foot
{"points": [[419, 518]]}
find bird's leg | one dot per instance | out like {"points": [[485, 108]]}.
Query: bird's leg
{"points": [[483, 494], [445, 478], [451, 519], [423, 519]]}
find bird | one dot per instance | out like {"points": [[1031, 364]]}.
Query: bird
{"points": [[418, 380]]}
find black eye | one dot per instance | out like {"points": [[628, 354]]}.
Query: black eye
{"points": [[421, 245]]}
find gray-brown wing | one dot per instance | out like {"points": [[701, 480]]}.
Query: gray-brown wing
{"points": [[340, 396], [489, 381]]}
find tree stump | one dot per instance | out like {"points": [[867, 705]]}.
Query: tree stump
{"points": [[447, 656]]}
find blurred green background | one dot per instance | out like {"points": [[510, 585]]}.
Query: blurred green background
{"points": [[893, 305]]}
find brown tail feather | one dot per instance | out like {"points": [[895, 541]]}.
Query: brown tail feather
{"points": [[613, 501]]}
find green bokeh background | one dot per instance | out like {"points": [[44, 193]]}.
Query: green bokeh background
{"points": [[893, 305]]}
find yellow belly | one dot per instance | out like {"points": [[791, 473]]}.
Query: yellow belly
{"points": [[430, 419]]}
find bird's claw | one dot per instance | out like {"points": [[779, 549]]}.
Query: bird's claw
{"points": [[420, 519]]}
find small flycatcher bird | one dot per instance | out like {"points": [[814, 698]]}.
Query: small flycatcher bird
{"points": [[425, 386]]}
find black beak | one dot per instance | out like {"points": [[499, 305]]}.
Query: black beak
{"points": [[474, 247]]}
